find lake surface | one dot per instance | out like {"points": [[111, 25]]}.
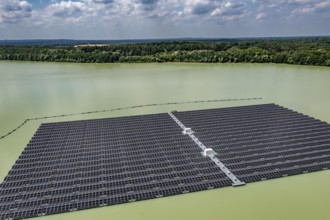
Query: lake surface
{"points": [[29, 90]]}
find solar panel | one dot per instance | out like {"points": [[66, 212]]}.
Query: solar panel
{"points": [[262, 141], [77, 165]]}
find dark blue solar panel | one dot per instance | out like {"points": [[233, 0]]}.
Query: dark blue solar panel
{"points": [[262, 141], [77, 165]]}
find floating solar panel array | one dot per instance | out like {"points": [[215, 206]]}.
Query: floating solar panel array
{"points": [[77, 165], [262, 141]]}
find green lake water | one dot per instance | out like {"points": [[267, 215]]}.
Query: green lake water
{"points": [[29, 90]]}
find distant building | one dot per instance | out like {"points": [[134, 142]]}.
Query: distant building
{"points": [[93, 45]]}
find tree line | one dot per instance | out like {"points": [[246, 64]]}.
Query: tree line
{"points": [[305, 51]]}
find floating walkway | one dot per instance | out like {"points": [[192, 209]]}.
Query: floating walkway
{"points": [[208, 152], [76, 165]]}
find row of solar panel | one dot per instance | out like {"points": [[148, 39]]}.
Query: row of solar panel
{"points": [[84, 133], [115, 171], [240, 134], [281, 159], [108, 146], [290, 144], [106, 135], [242, 110], [122, 155], [117, 141], [265, 137], [95, 172], [110, 143], [108, 163], [115, 129], [89, 127], [244, 113], [133, 126], [296, 163], [142, 149], [64, 207], [292, 149], [94, 160], [210, 133], [98, 190], [61, 159], [114, 155], [92, 193], [120, 152], [271, 150], [143, 146], [112, 149], [105, 121], [271, 145], [259, 109], [280, 128], [211, 118], [238, 116], [325, 132], [113, 174], [102, 162], [246, 124], [162, 174], [251, 126], [288, 172], [274, 154], [262, 144], [84, 136]]}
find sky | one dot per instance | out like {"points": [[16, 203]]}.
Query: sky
{"points": [[146, 19]]}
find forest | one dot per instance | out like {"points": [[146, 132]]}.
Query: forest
{"points": [[302, 51]]}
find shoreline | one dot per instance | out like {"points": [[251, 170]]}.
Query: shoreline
{"points": [[179, 63], [311, 52]]}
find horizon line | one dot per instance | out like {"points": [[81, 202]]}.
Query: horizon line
{"points": [[170, 38]]}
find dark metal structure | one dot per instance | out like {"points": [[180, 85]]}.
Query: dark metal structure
{"points": [[77, 165]]}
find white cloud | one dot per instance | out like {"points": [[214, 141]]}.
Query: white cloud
{"points": [[103, 1], [310, 7], [322, 6], [305, 10], [231, 10], [216, 10], [277, 9], [134, 18], [14, 11], [65, 9], [300, 2], [199, 7], [261, 15]]}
